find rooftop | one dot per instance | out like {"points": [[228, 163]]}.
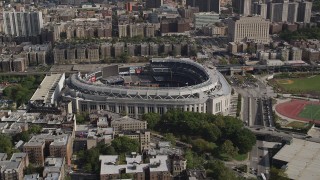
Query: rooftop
{"points": [[31, 177], [303, 159], [57, 140], [46, 88], [53, 165], [134, 164]]}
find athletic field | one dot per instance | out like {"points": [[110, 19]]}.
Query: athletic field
{"points": [[302, 110], [300, 85], [310, 111]]}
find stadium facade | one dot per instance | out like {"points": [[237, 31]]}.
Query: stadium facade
{"points": [[161, 85]]}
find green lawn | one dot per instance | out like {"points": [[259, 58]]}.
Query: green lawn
{"points": [[299, 85], [241, 157], [311, 112]]}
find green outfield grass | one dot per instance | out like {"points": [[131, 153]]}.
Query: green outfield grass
{"points": [[300, 85], [311, 112]]}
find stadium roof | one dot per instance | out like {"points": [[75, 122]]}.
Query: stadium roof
{"points": [[303, 159]]}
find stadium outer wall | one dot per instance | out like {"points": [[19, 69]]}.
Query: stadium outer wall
{"points": [[213, 97]]}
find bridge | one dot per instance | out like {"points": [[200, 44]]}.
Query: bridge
{"points": [[230, 69]]}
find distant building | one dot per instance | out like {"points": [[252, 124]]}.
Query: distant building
{"points": [[304, 14], [22, 23], [244, 29], [292, 12], [260, 9], [154, 3], [242, 6], [205, 5], [215, 30], [295, 54], [203, 19], [176, 25]]}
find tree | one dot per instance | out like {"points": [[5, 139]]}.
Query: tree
{"points": [[233, 60], [251, 49], [223, 61], [32, 169], [124, 57], [81, 118], [24, 136], [170, 137], [5, 144], [278, 174], [125, 176], [203, 146], [217, 170], [244, 140], [152, 119], [124, 144], [35, 129], [228, 148], [194, 161]]}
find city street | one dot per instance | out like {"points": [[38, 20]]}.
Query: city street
{"points": [[259, 159]]}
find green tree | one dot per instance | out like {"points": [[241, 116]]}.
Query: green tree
{"points": [[82, 118], [124, 144], [124, 57], [244, 140], [5, 144], [126, 176], [223, 61], [278, 174], [170, 137], [32, 169], [35, 129], [233, 60], [24, 136], [152, 119], [228, 148], [194, 161], [202, 146], [217, 170]]}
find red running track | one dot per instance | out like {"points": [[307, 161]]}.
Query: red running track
{"points": [[291, 109]]}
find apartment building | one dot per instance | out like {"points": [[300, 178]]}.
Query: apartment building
{"points": [[157, 168], [13, 169], [43, 145]]}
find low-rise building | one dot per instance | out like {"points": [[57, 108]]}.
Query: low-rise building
{"points": [[13, 169], [300, 159], [157, 168], [54, 167], [143, 137], [44, 145]]}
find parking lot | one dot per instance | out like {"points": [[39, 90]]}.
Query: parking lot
{"points": [[220, 42], [267, 112], [243, 81]]}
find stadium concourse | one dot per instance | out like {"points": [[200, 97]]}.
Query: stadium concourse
{"points": [[160, 85]]}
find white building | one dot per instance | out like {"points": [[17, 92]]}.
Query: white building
{"points": [[49, 89], [22, 23], [251, 28]]}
